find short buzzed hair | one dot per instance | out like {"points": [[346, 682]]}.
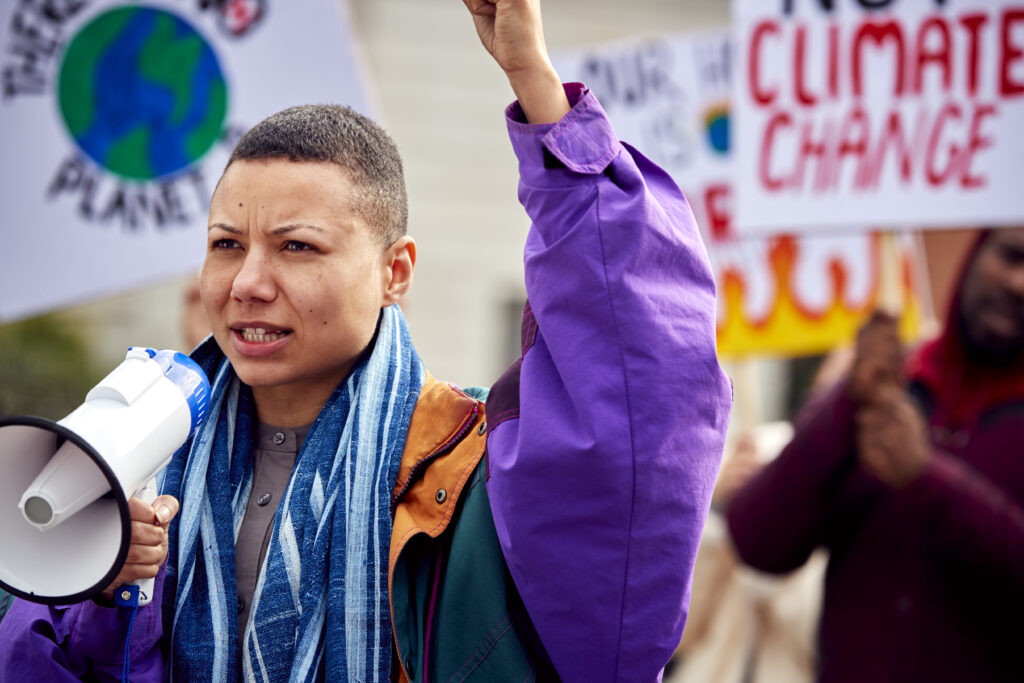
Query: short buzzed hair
{"points": [[338, 135]]}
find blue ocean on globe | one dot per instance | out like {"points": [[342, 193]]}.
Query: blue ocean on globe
{"points": [[141, 92]]}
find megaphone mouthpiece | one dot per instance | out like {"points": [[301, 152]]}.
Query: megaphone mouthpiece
{"points": [[38, 511], [70, 481]]}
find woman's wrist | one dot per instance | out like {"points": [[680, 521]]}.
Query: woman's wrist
{"points": [[540, 94]]}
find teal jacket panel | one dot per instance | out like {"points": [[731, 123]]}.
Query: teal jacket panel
{"points": [[457, 614]]}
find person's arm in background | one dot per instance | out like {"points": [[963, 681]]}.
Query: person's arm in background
{"points": [[87, 640], [972, 519], [606, 438], [783, 513]]}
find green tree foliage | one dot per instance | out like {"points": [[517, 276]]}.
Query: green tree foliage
{"points": [[45, 368]]}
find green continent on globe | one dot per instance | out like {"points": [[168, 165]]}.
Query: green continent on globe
{"points": [[141, 92]]}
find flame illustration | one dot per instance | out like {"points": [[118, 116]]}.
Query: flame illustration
{"points": [[790, 328]]}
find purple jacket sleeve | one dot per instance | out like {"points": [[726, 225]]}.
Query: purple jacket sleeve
{"points": [[601, 473], [82, 641]]}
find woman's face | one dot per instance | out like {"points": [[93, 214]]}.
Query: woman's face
{"points": [[293, 279]]}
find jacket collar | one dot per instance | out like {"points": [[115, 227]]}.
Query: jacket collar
{"points": [[443, 418]]}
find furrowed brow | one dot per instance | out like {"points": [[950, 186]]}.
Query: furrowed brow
{"points": [[284, 229], [225, 227]]}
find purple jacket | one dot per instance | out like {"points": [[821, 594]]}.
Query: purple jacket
{"points": [[923, 584], [602, 470], [605, 437]]}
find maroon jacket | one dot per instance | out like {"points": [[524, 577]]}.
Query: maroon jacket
{"points": [[923, 584]]}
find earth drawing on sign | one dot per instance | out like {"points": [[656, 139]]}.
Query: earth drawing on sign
{"points": [[141, 92]]}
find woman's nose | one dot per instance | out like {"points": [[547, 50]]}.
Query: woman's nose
{"points": [[254, 281]]}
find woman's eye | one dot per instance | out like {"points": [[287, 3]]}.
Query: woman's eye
{"points": [[224, 243], [295, 245]]}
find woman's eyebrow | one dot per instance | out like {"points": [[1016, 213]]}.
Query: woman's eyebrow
{"points": [[276, 231], [225, 227], [295, 226]]}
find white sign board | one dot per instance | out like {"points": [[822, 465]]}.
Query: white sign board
{"points": [[669, 97], [117, 120], [883, 113]]}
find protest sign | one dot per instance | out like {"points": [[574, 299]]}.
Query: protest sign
{"points": [[117, 120], [884, 113]]}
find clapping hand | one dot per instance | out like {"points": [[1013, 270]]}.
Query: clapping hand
{"points": [[892, 440]]}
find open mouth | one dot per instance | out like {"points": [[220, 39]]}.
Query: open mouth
{"points": [[259, 335]]}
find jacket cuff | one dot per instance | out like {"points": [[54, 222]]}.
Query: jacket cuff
{"points": [[99, 632], [583, 141]]}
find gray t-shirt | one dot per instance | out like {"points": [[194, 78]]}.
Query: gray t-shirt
{"points": [[274, 456]]}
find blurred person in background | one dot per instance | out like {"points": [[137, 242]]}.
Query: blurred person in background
{"points": [[195, 327], [397, 550], [911, 474]]}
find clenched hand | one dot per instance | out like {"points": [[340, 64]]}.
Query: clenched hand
{"points": [[148, 548], [892, 440], [512, 32]]}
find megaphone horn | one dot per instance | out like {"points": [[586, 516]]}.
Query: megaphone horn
{"points": [[64, 521]]}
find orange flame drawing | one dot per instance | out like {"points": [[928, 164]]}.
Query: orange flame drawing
{"points": [[789, 328]]}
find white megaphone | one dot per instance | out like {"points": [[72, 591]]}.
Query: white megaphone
{"points": [[64, 486]]}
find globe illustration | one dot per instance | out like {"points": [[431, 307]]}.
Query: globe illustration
{"points": [[716, 125], [141, 92]]}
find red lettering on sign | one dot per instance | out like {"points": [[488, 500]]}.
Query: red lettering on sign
{"points": [[833, 60], [975, 141], [716, 205], [760, 95], [913, 142], [854, 135], [941, 150], [949, 46], [893, 135], [800, 67], [972, 23], [941, 56], [812, 149], [770, 183], [878, 34], [936, 177], [1008, 54]]}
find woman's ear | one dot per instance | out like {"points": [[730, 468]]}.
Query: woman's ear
{"points": [[399, 260]]}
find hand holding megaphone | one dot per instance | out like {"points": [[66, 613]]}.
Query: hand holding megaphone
{"points": [[148, 550], [69, 526]]}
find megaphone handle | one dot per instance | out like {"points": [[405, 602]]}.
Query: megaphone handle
{"points": [[146, 494]]}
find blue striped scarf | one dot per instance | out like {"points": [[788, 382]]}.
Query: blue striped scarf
{"points": [[326, 567]]}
